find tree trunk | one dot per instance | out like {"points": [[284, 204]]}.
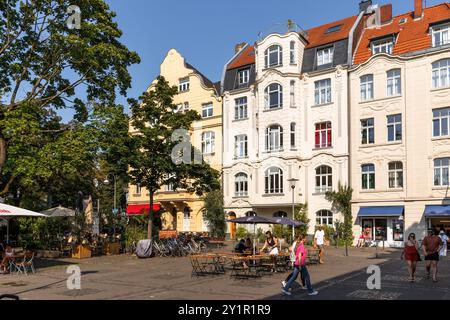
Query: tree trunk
{"points": [[2, 153], [150, 218]]}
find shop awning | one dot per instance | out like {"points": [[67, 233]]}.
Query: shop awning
{"points": [[141, 208], [382, 211], [437, 211]]}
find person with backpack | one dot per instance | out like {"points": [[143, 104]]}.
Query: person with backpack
{"points": [[300, 268]]}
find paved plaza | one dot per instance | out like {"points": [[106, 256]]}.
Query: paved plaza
{"points": [[127, 277]]}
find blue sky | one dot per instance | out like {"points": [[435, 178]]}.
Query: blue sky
{"points": [[205, 31]]}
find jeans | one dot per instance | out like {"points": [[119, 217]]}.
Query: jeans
{"points": [[304, 275], [301, 277]]}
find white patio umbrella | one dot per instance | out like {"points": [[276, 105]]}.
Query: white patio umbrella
{"points": [[7, 212], [59, 212]]}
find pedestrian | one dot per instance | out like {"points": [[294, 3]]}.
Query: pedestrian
{"points": [[445, 239], [361, 240], [300, 267], [319, 237], [240, 247], [293, 250], [411, 255], [431, 246]]}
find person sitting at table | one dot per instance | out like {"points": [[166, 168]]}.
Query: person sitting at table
{"points": [[271, 246], [240, 247], [248, 244], [7, 256]]}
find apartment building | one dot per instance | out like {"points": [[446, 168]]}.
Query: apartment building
{"points": [[400, 123], [183, 211]]}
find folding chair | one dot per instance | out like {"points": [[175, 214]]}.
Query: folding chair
{"points": [[25, 264]]}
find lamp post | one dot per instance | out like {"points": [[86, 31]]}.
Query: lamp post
{"points": [[292, 182], [107, 182]]}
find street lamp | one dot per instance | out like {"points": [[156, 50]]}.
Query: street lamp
{"points": [[107, 182], [292, 182]]}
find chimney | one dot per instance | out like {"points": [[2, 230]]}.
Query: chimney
{"points": [[239, 47], [418, 9], [386, 13], [364, 5]]}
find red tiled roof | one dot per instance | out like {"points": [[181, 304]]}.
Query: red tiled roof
{"points": [[245, 58], [412, 35], [318, 36]]}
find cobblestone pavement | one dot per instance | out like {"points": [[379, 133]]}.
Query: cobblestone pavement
{"points": [[127, 277]]}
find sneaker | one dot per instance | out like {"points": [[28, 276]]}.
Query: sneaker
{"points": [[283, 284], [286, 292], [314, 293]]}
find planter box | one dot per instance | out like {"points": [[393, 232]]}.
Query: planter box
{"points": [[48, 254], [164, 234], [81, 252], [111, 248]]}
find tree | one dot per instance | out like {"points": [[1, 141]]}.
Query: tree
{"points": [[301, 214], [155, 136], [44, 64], [214, 213], [341, 202]]}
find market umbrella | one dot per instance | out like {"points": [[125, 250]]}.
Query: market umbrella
{"points": [[288, 222], [7, 212], [59, 211], [253, 220]]}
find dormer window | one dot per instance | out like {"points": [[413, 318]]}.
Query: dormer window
{"points": [[440, 35], [273, 56], [383, 46], [184, 85], [325, 56], [243, 76]]}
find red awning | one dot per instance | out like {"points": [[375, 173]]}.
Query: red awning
{"points": [[141, 208]]}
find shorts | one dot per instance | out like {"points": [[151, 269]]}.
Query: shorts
{"points": [[320, 246], [432, 257]]}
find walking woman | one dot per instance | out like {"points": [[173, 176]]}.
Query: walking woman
{"points": [[300, 267], [411, 255]]}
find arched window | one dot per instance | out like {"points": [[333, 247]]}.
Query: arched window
{"points": [[251, 214], [241, 185], [274, 138], [274, 181], [208, 142], [324, 218], [441, 73], [273, 96], [280, 214], [273, 56], [324, 179]]}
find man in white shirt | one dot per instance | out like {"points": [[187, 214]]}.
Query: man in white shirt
{"points": [[445, 239], [319, 237]]}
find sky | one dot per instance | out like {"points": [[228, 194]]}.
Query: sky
{"points": [[206, 31]]}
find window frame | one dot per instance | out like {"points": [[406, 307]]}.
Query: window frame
{"points": [[208, 142], [269, 92], [323, 130], [274, 134], [241, 108], [322, 92], [184, 85], [394, 82], [325, 56], [440, 75], [441, 122], [209, 109], [241, 146], [244, 75], [241, 184], [440, 29], [267, 56], [368, 129], [367, 87], [369, 176], [392, 124], [395, 175], [320, 216], [441, 167], [324, 179], [386, 43], [275, 186]]}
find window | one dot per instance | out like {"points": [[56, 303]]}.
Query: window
{"points": [[138, 189], [273, 56], [208, 141], [274, 138], [324, 179], [441, 74], [334, 28], [367, 131], [440, 35], [240, 108], [274, 181], [293, 135], [383, 46], [395, 175], [251, 214], [323, 135], [207, 110], [324, 218], [394, 82], [322, 92], [394, 126], [183, 85], [325, 56], [367, 87], [240, 146], [441, 122], [292, 53], [368, 176], [241, 185], [169, 184], [273, 96], [243, 76], [280, 214], [186, 106], [292, 94], [441, 171]]}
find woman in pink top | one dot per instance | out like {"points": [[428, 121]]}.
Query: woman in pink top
{"points": [[300, 267]]}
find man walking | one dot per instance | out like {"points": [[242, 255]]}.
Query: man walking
{"points": [[319, 241], [431, 245]]}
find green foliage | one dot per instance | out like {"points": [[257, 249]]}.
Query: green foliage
{"points": [[151, 160], [341, 202], [301, 214], [282, 232], [215, 214], [242, 233], [135, 230], [43, 233], [260, 235]]}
